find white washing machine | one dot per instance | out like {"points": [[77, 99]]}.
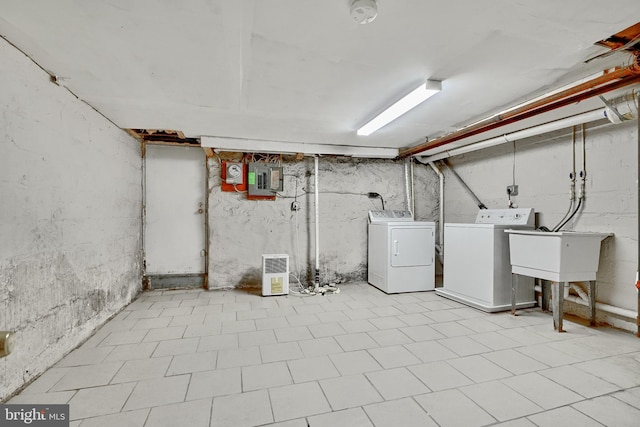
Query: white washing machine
{"points": [[477, 270], [401, 252]]}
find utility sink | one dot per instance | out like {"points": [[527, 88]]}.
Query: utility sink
{"points": [[563, 256]]}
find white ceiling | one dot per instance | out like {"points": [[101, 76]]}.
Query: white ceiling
{"points": [[302, 70]]}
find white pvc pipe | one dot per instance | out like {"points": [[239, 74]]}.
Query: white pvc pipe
{"points": [[413, 194], [441, 218], [440, 153], [315, 160], [407, 186], [604, 307], [581, 292]]}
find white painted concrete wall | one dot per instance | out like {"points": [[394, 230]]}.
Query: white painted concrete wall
{"points": [[70, 204], [241, 230], [542, 166]]}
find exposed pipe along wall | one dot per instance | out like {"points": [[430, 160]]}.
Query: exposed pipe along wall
{"points": [[408, 185], [317, 233], [608, 145], [440, 244], [608, 81]]}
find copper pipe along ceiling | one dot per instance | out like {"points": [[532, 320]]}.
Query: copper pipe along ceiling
{"points": [[616, 79]]}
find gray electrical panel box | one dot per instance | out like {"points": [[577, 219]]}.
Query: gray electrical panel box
{"points": [[264, 179]]}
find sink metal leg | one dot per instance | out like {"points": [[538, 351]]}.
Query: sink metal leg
{"points": [[557, 302], [592, 302], [546, 295], [514, 284]]}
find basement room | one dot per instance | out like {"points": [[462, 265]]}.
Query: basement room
{"points": [[294, 213]]}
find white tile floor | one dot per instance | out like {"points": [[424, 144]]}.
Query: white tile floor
{"points": [[358, 358]]}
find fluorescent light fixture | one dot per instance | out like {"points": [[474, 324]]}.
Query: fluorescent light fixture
{"points": [[409, 101]]}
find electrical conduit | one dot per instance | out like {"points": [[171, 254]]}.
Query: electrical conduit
{"points": [[317, 231]]}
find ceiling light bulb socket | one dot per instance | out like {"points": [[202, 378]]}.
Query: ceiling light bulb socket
{"points": [[363, 11]]}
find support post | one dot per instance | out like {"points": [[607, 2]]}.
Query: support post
{"points": [[592, 302], [514, 285], [557, 302]]}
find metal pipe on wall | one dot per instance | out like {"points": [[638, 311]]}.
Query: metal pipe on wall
{"points": [[317, 231], [442, 153], [440, 245], [407, 187], [465, 186], [413, 195], [606, 82]]}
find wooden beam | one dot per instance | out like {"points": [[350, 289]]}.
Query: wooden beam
{"points": [[134, 134], [175, 143]]}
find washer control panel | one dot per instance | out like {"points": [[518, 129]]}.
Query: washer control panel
{"points": [[388, 216], [519, 216]]}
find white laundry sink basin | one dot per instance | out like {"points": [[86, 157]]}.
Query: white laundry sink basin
{"points": [[564, 256]]}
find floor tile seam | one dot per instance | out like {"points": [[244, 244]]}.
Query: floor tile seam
{"points": [[79, 347], [176, 339], [542, 410], [502, 381], [392, 329], [423, 382], [603, 357], [439, 341], [462, 373], [613, 395], [324, 393], [210, 420], [577, 366], [571, 405], [164, 374], [294, 401], [484, 355], [620, 388], [406, 368], [366, 414], [135, 383], [21, 393], [522, 349], [273, 415], [419, 362], [412, 398], [373, 385], [99, 385], [491, 348], [568, 405], [415, 399]]}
